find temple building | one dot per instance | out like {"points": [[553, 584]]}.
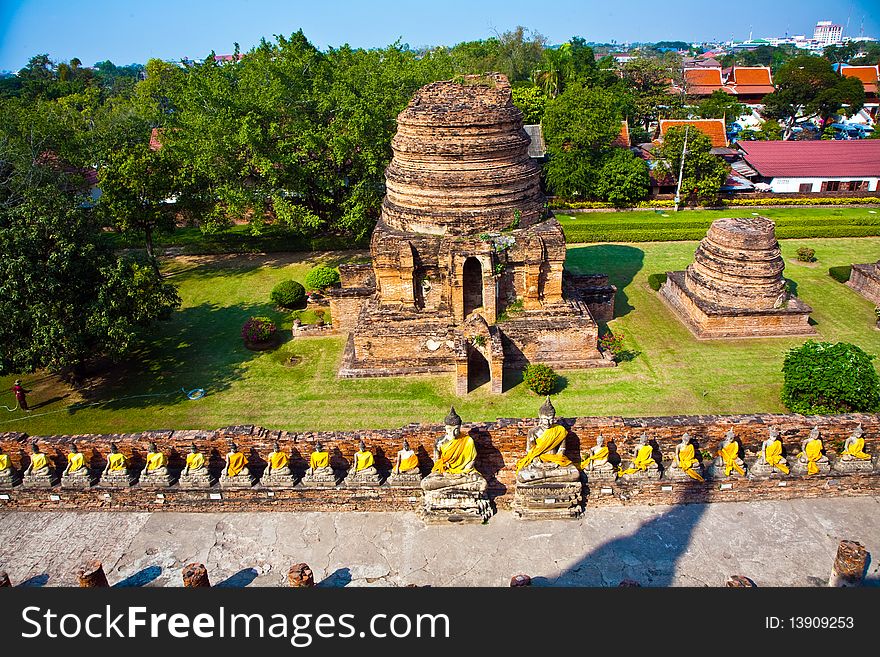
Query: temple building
{"points": [[467, 261]]}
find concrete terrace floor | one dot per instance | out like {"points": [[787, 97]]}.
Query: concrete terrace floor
{"points": [[775, 543]]}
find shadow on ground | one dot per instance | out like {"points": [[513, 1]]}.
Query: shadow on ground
{"points": [[619, 261]]}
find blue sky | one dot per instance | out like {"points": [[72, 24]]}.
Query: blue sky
{"points": [[126, 32]]}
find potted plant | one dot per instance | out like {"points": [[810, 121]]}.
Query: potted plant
{"points": [[259, 333], [319, 317]]}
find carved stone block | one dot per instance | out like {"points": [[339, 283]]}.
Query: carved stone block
{"points": [[456, 505], [548, 500], [79, 480], [405, 480], [196, 479]]}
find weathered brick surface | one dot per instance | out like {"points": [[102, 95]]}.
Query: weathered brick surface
{"points": [[865, 279], [499, 445]]}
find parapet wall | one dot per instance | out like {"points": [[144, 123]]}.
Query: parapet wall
{"points": [[499, 445]]}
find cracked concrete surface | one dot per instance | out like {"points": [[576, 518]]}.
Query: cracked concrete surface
{"points": [[775, 543]]}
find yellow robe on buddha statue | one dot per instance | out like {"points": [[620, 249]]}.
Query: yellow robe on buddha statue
{"points": [[4, 462], [407, 463], [550, 440], [278, 460], [116, 461], [76, 461], [156, 460], [455, 455], [319, 460], [363, 460], [38, 461], [642, 460], [813, 450], [687, 460], [601, 453], [195, 461], [237, 461], [773, 456], [729, 453], [856, 449]]}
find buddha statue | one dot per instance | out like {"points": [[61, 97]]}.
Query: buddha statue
{"points": [[155, 472], [76, 474], [8, 474], [770, 461], [235, 472], [39, 472], [685, 464], [277, 473], [811, 460], [406, 470], [545, 458], [195, 472], [596, 465], [363, 471], [319, 473], [854, 458], [727, 461], [116, 471], [643, 464], [455, 491]]}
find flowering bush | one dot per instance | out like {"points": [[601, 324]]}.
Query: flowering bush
{"points": [[611, 343], [539, 378], [258, 329]]}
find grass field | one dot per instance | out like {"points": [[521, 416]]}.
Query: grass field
{"points": [[667, 225], [669, 371]]}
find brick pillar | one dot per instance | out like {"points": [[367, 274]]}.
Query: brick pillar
{"points": [[739, 582], [849, 564], [92, 576], [300, 576], [195, 575], [520, 580], [4, 580]]}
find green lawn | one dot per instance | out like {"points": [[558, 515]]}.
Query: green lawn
{"points": [[667, 225], [670, 372]]}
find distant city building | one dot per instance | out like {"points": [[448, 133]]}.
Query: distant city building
{"points": [[827, 33]]}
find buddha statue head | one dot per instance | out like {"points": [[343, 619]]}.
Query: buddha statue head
{"points": [[152, 449], [113, 448], [686, 438], [546, 414], [74, 449], [362, 447], [276, 447], [814, 433], [35, 448], [729, 437], [600, 440], [643, 439], [193, 449], [405, 446], [858, 432], [319, 446], [233, 448], [773, 433], [452, 423]]}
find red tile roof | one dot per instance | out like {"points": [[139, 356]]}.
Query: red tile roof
{"points": [[713, 128], [867, 74], [622, 139], [813, 159], [751, 80], [703, 81]]}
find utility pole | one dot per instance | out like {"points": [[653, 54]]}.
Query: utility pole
{"points": [[681, 168]]}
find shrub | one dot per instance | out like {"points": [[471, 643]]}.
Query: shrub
{"points": [[540, 378], [611, 343], [840, 274], [806, 254], [288, 294], [656, 281], [322, 277], [258, 329], [825, 377]]}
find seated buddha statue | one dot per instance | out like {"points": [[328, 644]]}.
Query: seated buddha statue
{"points": [[643, 464], [319, 472], [727, 461], [454, 457], [235, 472], [155, 472], [363, 471], [8, 475], [116, 471], [405, 471], [853, 457], [685, 463], [811, 460], [770, 460], [545, 459], [76, 474], [195, 472], [277, 473], [596, 464], [39, 472]]}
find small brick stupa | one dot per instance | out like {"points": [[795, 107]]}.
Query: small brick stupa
{"points": [[734, 287], [467, 262], [865, 279]]}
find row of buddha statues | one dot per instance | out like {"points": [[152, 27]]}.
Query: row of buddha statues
{"points": [[455, 453]]}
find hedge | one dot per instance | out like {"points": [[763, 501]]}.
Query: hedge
{"points": [[656, 281], [840, 274], [562, 204]]}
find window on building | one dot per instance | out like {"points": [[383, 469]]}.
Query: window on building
{"points": [[831, 186], [806, 187]]}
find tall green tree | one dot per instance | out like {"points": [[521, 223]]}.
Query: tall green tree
{"points": [[703, 174], [648, 80]]}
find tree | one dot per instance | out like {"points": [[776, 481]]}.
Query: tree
{"points": [[703, 173], [807, 87], [531, 101], [647, 79], [721, 105], [824, 377], [623, 179]]}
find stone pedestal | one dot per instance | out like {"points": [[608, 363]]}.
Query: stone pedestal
{"points": [[456, 505], [799, 468], [116, 479], [155, 478], [80, 480], [673, 473], [761, 470], [363, 480], [853, 466], [319, 480], [650, 474], [849, 564], [600, 476], [8, 478], [241, 480], [196, 479], [405, 479], [278, 478], [865, 279], [39, 481], [717, 471], [564, 500]]}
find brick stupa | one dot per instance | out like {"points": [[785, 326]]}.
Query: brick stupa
{"points": [[734, 287], [467, 262]]}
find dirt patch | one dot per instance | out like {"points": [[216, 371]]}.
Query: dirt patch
{"points": [[182, 263]]}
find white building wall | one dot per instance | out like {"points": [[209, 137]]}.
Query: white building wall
{"points": [[788, 185]]}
